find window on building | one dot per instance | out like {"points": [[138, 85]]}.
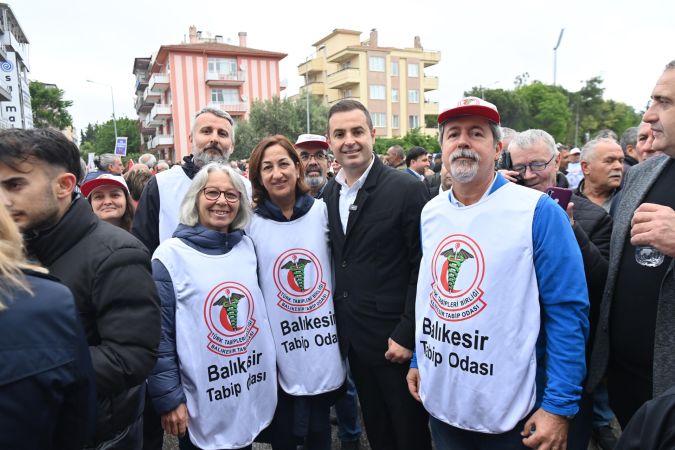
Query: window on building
{"points": [[379, 119], [413, 96], [227, 96], [217, 96], [376, 63], [413, 122], [394, 95], [413, 70], [394, 68], [394, 121], [377, 92], [223, 65]]}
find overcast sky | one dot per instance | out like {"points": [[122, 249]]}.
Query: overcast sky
{"points": [[484, 43]]}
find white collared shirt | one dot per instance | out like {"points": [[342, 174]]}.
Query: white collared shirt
{"points": [[348, 193], [459, 204]]}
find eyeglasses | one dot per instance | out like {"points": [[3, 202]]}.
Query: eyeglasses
{"points": [[213, 194], [317, 156], [536, 166]]}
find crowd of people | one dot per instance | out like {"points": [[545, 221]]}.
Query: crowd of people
{"points": [[508, 292]]}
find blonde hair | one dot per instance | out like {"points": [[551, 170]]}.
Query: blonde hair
{"points": [[12, 259]]}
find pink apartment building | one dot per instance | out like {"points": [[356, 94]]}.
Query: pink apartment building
{"points": [[181, 79]]}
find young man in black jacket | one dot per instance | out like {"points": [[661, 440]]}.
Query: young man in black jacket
{"points": [[107, 270]]}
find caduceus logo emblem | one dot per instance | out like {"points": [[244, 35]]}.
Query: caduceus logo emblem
{"points": [[458, 267], [453, 264], [296, 272], [228, 312], [299, 277]]}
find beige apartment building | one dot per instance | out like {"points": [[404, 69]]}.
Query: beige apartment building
{"points": [[389, 81]]}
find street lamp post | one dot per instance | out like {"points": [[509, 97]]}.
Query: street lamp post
{"points": [[307, 90], [112, 98], [555, 55]]}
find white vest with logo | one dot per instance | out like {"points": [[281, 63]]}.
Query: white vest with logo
{"points": [[172, 185], [223, 342], [295, 270], [477, 310]]}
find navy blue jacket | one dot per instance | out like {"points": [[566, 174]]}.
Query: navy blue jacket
{"points": [[164, 384], [47, 387]]}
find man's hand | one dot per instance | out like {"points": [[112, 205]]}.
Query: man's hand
{"points": [[550, 431], [570, 212], [397, 353], [654, 225], [176, 421], [510, 175], [413, 379]]}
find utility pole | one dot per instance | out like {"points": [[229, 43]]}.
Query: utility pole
{"points": [[555, 56]]}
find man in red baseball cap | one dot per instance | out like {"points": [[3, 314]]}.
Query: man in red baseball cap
{"points": [[501, 312]]}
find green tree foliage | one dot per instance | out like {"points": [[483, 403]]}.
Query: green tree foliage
{"points": [[50, 110], [278, 116], [414, 138], [101, 138], [548, 108], [566, 115]]}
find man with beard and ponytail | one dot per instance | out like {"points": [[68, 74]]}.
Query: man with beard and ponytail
{"points": [[313, 151], [212, 139], [502, 310]]}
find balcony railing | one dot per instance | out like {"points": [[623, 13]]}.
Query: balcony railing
{"points": [[343, 78], [160, 141], [160, 111], [313, 65], [159, 82], [226, 77], [230, 107], [430, 83], [151, 96]]}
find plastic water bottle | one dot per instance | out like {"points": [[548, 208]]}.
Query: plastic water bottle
{"points": [[648, 256]]}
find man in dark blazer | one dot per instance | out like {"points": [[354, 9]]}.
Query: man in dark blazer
{"points": [[374, 219], [636, 332]]}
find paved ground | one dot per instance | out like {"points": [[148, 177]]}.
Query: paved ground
{"points": [[170, 443]]}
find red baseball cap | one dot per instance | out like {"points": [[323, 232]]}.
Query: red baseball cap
{"points": [[471, 106], [104, 180], [311, 140]]}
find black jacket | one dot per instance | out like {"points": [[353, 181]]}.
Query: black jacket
{"points": [[146, 217], [653, 425], [47, 396], [376, 263], [593, 230], [108, 271]]}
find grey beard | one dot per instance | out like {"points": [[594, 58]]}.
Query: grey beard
{"points": [[205, 158], [315, 182], [464, 172]]}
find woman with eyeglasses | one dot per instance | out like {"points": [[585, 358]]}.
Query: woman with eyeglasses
{"points": [[214, 384], [290, 232]]}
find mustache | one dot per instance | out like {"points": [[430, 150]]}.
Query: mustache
{"points": [[615, 173], [465, 153]]}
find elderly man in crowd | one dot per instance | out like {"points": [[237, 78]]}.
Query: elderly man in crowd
{"points": [[502, 308], [636, 332], [602, 166], [313, 151], [395, 157]]}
